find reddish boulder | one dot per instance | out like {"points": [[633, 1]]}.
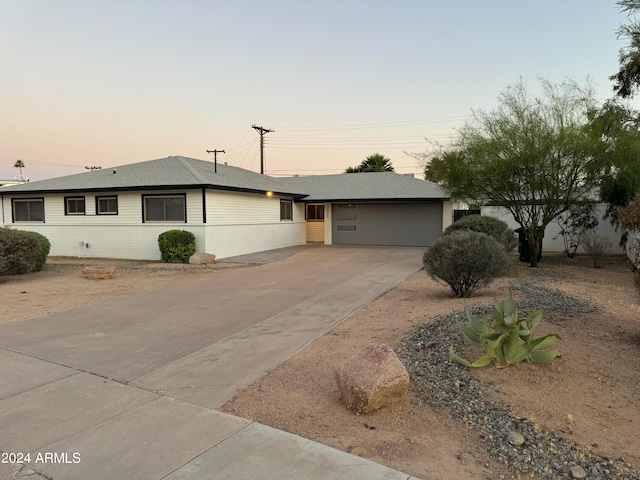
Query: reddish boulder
{"points": [[99, 272], [371, 379], [202, 258]]}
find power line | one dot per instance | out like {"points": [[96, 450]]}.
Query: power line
{"points": [[246, 153], [342, 147], [376, 125], [240, 141]]}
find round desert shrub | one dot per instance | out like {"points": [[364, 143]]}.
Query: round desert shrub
{"points": [[44, 246], [176, 246], [466, 260], [492, 226], [18, 252]]}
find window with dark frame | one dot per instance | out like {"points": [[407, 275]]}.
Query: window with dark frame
{"points": [[107, 205], [286, 212], [28, 210], [74, 206], [315, 212], [164, 208]]}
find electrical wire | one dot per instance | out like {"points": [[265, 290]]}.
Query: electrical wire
{"points": [[376, 125]]}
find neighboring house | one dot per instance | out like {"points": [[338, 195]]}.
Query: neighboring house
{"points": [[9, 183], [119, 212]]}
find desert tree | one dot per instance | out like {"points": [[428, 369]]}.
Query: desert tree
{"points": [[627, 80], [615, 130], [531, 155]]}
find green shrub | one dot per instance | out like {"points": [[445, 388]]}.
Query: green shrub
{"points": [[176, 246], [18, 252], [494, 227], [44, 246], [509, 340], [466, 260]]}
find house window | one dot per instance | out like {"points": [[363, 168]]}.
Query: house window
{"points": [[315, 212], [164, 208], [107, 205], [285, 210], [74, 206], [28, 210]]}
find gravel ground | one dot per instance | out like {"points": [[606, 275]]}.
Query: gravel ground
{"points": [[527, 451]]}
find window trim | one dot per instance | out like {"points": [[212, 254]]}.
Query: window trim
{"points": [[106, 197], [315, 208], [75, 197], [30, 199], [284, 202], [164, 195]]}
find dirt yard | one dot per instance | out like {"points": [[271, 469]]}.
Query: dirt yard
{"points": [[590, 395], [61, 286]]}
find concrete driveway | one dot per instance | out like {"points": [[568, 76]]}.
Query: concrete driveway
{"points": [[128, 388]]}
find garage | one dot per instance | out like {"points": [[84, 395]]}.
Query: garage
{"points": [[408, 224], [372, 208]]}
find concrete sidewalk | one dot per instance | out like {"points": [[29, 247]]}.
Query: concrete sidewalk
{"points": [[130, 386]]}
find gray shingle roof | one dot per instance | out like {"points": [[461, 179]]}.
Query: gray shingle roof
{"points": [[365, 186], [180, 172], [169, 172]]}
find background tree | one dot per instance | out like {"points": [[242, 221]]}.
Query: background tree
{"points": [[615, 132], [373, 163], [20, 165], [575, 224], [627, 80], [532, 156]]}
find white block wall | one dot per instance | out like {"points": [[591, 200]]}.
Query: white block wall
{"points": [[556, 244]]}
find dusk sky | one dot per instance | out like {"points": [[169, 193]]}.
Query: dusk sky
{"points": [[106, 83]]}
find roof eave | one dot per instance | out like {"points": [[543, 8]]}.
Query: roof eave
{"points": [[150, 187], [377, 200]]}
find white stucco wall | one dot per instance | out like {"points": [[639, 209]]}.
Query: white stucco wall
{"points": [[553, 242]]}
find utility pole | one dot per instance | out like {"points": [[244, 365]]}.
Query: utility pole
{"points": [[215, 158], [261, 131]]}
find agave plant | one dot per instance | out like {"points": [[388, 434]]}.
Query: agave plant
{"points": [[510, 339]]}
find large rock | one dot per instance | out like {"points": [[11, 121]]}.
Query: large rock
{"points": [[372, 379], [201, 258], [99, 272]]}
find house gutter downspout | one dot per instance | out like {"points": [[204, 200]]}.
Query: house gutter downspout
{"points": [[204, 205]]}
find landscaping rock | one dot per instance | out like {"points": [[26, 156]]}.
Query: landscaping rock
{"points": [[371, 379], [516, 439], [578, 472], [202, 258], [99, 272], [442, 383]]}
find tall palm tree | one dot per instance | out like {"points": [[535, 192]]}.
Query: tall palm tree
{"points": [[373, 163], [19, 164]]}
